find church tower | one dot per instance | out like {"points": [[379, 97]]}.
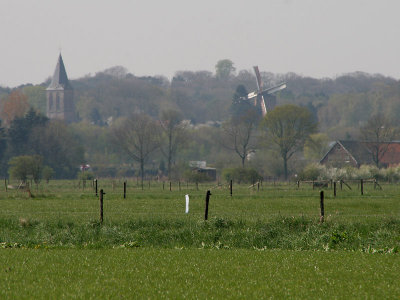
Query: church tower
{"points": [[60, 95]]}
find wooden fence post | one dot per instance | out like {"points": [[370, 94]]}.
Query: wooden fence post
{"points": [[334, 188], [101, 205], [125, 189], [231, 187], [207, 201], [28, 189], [321, 204], [179, 185], [170, 186], [95, 187], [362, 186]]}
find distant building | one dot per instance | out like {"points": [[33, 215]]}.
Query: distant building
{"points": [[197, 164], [355, 154], [60, 95], [200, 167]]}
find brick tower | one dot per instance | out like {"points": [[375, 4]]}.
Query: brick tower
{"points": [[60, 95]]}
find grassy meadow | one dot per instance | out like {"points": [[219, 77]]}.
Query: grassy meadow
{"points": [[259, 242], [194, 274]]}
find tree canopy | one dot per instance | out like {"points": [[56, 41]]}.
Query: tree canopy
{"points": [[224, 69], [287, 127]]}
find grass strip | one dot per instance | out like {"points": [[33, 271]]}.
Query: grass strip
{"points": [[289, 233]]}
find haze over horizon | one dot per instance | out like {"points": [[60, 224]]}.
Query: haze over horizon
{"points": [[311, 38]]}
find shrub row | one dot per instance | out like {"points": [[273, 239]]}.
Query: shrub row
{"points": [[320, 172]]}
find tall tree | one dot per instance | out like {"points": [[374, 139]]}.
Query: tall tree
{"points": [[15, 106], [59, 147], [21, 129], [288, 126], [224, 69], [138, 138], [239, 134], [173, 135], [378, 133]]}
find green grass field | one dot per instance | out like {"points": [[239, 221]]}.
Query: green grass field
{"points": [[220, 274], [256, 244], [64, 200]]}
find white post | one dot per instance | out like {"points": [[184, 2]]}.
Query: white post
{"points": [[187, 204]]}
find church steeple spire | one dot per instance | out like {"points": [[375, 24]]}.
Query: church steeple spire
{"points": [[59, 80], [60, 96]]}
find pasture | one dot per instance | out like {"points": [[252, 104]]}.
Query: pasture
{"points": [[259, 242]]}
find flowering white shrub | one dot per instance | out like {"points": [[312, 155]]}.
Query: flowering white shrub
{"points": [[317, 171]]}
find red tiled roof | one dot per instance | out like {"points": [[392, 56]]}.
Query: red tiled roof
{"points": [[392, 155], [361, 152]]}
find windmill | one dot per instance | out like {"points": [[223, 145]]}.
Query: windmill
{"points": [[256, 98]]}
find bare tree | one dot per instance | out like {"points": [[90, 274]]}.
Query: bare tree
{"points": [[378, 133], [239, 134], [137, 137], [173, 136]]}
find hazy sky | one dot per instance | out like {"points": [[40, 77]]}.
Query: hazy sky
{"points": [[310, 37]]}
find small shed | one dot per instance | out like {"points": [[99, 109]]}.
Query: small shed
{"points": [[201, 168]]}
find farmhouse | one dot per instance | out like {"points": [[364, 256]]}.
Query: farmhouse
{"points": [[355, 154]]}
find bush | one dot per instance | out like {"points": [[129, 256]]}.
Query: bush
{"points": [[194, 176], [47, 173], [87, 175], [320, 172], [241, 175], [22, 167], [391, 174], [313, 172]]}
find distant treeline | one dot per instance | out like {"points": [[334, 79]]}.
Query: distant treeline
{"points": [[340, 105]]}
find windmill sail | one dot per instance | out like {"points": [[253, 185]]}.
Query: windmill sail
{"points": [[260, 98], [259, 82], [256, 98]]}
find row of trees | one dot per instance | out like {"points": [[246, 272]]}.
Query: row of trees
{"points": [[114, 104], [139, 136], [341, 105], [286, 128], [285, 132]]}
